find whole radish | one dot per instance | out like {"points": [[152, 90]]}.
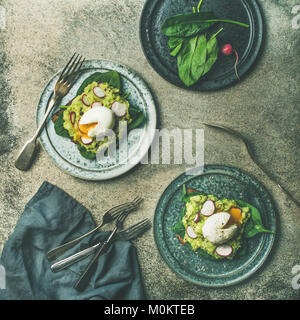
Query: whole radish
{"points": [[228, 50]]}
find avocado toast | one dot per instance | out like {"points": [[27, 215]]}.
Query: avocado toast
{"points": [[216, 228]]}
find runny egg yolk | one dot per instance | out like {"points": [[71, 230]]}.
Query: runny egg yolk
{"points": [[236, 215], [85, 128], [95, 122]]}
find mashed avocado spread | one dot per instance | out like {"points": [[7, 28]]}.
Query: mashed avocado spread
{"points": [[192, 213], [79, 108]]}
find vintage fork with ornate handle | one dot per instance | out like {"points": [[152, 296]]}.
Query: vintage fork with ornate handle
{"points": [[128, 234], [108, 216], [61, 88]]}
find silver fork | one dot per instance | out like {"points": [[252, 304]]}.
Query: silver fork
{"points": [[108, 216], [128, 234], [251, 154], [85, 277], [61, 88]]}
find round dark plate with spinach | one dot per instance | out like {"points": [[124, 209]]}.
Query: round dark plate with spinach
{"points": [[223, 182], [247, 41]]}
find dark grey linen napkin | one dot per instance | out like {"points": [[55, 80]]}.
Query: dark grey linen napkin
{"points": [[51, 218]]}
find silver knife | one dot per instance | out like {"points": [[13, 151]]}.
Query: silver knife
{"points": [[128, 234], [85, 277]]}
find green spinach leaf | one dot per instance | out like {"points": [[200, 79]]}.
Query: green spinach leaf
{"points": [[111, 77], [86, 154], [243, 249], [137, 116], [188, 24], [59, 127], [184, 189], [174, 42], [126, 95], [191, 59], [212, 51], [176, 50], [203, 253], [179, 227], [254, 225]]}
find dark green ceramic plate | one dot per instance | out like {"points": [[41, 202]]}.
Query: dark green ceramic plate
{"points": [[247, 41], [222, 181]]}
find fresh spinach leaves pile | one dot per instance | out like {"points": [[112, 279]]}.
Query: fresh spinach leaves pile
{"points": [[196, 52], [113, 79]]}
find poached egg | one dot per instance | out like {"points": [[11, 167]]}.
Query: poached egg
{"points": [[214, 231], [96, 121]]}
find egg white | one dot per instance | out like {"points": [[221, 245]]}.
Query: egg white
{"points": [[101, 115], [214, 231]]}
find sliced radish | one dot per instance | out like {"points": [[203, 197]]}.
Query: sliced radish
{"points": [[191, 233], [96, 104], [224, 250], [208, 208], [78, 126], [119, 109], [197, 217], [85, 100], [98, 92], [72, 117], [86, 141]]}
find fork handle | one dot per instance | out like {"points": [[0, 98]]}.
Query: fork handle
{"points": [[85, 277], [58, 251], [51, 104], [62, 264], [25, 157]]}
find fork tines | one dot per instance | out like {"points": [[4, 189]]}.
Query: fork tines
{"points": [[128, 206], [71, 68], [135, 229]]}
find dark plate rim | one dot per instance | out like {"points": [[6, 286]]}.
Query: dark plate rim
{"points": [[263, 257], [209, 85]]}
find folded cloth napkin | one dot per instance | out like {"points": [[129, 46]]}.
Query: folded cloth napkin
{"points": [[51, 218]]}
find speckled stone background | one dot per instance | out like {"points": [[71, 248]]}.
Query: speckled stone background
{"points": [[38, 39]]}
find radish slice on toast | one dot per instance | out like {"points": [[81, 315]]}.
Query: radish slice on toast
{"points": [[197, 217], [98, 92], [224, 250], [191, 233], [208, 208], [119, 109], [96, 104], [72, 117], [85, 100], [86, 141]]}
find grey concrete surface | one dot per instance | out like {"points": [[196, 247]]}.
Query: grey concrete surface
{"points": [[39, 38]]}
